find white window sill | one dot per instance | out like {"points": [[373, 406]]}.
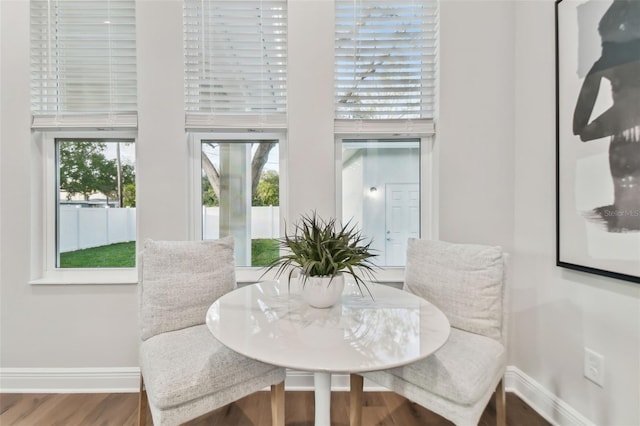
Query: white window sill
{"points": [[130, 276], [88, 276]]}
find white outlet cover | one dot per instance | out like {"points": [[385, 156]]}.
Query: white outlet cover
{"points": [[594, 367]]}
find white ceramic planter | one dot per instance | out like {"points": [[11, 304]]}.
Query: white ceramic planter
{"points": [[323, 292]]}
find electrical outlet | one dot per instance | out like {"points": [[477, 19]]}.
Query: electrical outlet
{"points": [[594, 367]]}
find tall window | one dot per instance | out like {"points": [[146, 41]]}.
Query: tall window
{"points": [[385, 81], [236, 104], [83, 98]]}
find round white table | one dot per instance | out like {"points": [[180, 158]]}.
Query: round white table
{"points": [[271, 323]]}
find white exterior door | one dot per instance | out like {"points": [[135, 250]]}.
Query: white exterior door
{"points": [[402, 203]]}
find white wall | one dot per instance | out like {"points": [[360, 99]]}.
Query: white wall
{"points": [[162, 155], [475, 130], [558, 312], [311, 148], [495, 150]]}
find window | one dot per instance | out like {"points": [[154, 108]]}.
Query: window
{"points": [[381, 193], [385, 97], [236, 104], [96, 204], [84, 107], [239, 183]]}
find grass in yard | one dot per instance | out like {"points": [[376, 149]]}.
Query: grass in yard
{"points": [[263, 251], [121, 255]]}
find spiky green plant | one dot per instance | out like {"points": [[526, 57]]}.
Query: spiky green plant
{"points": [[321, 247]]}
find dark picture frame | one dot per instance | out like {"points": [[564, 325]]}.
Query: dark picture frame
{"points": [[598, 137]]}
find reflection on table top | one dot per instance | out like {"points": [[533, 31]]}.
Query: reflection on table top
{"points": [[270, 322]]}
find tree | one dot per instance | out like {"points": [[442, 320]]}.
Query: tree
{"points": [[258, 161], [257, 164], [81, 164], [129, 195], [268, 190], [85, 170], [107, 179], [209, 197]]}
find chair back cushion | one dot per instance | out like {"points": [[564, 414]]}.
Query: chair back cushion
{"points": [[179, 280], [463, 280]]}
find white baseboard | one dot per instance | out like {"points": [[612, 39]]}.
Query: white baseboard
{"points": [[126, 379], [69, 380], [548, 405]]}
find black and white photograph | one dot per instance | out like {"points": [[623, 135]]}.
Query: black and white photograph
{"points": [[598, 136]]}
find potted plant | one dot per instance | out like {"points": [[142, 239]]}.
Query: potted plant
{"points": [[323, 252]]}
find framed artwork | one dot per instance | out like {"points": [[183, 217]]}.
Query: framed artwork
{"points": [[598, 137]]}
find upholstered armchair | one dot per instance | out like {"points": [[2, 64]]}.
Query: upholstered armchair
{"points": [[184, 371], [467, 282]]}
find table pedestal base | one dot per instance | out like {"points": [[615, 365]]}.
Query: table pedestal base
{"points": [[322, 383]]}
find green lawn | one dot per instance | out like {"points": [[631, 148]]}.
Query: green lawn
{"points": [[263, 251], [123, 255]]}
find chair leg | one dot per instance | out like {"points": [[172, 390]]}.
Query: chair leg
{"points": [[501, 405], [277, 404], [143, 404], [355, 399]]}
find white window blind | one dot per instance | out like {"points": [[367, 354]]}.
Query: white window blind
{"points": [[83, 63], [235, 63], [385, 61]]}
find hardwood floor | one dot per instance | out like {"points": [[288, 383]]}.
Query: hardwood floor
{"points": [[120, 409]]}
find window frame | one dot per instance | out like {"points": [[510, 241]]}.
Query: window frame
{"points": [[47, 272], [428, 187], [244, 274]]}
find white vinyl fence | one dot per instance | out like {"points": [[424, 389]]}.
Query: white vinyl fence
{"points": [[265, 222], [82, 228]]}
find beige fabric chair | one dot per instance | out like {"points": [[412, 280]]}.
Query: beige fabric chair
{"points": [[467, 282], [185, 371]]}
